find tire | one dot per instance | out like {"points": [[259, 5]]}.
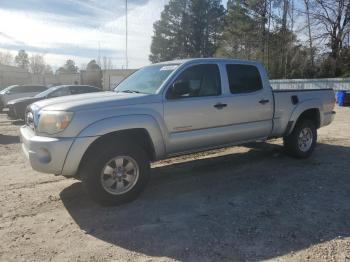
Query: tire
{"points": [[298, 143], [133, 175]]}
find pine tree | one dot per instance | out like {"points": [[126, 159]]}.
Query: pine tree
{"points": [[170, 40], [238, 39], [187, 28]]}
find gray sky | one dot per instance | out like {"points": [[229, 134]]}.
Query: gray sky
{"points": [[62, 29]]}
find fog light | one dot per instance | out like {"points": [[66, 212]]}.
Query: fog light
{"points": [[44, 156]]}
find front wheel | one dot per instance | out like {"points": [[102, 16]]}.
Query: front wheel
{"points": [[302, 141], [116, 173]]}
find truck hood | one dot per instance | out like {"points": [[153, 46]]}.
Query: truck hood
{"points": [[96, 100]]}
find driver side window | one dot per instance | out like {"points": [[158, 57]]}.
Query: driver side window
{"points": [[196, 81]]}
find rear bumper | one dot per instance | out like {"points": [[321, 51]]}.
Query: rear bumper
{"points": [[328, 118]]}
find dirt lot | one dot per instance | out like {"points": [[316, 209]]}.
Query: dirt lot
{"points": [[238, 204]]}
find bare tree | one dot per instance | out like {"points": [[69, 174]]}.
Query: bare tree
{"points": [[307, 9], [332, 17], [107, 63], [6, 58], [268, 34], [48, 70], [37, 64], [285, 40]]}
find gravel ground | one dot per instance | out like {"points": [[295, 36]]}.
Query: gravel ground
{"points": [[237, 204]]}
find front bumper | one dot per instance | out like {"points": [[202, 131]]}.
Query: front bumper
{"points": [[45, 154], [11, 112], [60, 156]]}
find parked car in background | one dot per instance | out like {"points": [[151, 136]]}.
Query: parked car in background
{"points": [[163, 110], [17, 107], [18, 91]]}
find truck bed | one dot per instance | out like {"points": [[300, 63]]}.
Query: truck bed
{"points": [[287, 100]]}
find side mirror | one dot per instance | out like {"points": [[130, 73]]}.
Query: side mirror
{"points": [[180, 88], [8, 92]]}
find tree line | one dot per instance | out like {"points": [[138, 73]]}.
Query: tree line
{"points": [[292, 38], [36, 64]]}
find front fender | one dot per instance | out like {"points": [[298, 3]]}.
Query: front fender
{"points": [[108, 125], [119, 123], [301, 108]]}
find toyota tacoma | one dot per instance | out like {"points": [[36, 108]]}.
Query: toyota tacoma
{"points": [[172, 108]]}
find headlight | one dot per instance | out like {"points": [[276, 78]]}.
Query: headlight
{"points": [[53, 122]]}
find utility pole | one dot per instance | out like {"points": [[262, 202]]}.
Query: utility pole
{"points": [[99, 54], [126, 34]]}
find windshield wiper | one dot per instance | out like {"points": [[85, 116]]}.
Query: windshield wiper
{"points": [[130, 91]]}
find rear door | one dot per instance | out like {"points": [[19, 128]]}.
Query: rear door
{"points": [[249, 102]]}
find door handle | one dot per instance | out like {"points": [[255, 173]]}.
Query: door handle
{"points": [[264, 101], [220, 105]]}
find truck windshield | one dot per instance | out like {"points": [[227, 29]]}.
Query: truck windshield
{"points": [[147, 80]]}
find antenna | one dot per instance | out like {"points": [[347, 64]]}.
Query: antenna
{"points": [[126, 34]]}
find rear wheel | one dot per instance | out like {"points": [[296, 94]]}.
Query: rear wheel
{"points": [[116, 173], [302, 141]]}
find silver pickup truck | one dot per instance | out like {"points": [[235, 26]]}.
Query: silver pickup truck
{"points": [[172, 108]]}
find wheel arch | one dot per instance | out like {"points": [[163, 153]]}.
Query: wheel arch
{"points": [[312, 114], [140, 128], [140, 136], [308, 110]]}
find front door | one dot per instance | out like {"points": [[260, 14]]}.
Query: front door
{"points": [[193, 117]]}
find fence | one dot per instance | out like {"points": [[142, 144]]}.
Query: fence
{"points": [[335, 83], [64, 79], [10, 75]]}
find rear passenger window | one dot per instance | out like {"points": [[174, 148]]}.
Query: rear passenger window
{"points": [[31, 89], [26, 89], [41, 88], [243, 78]]}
